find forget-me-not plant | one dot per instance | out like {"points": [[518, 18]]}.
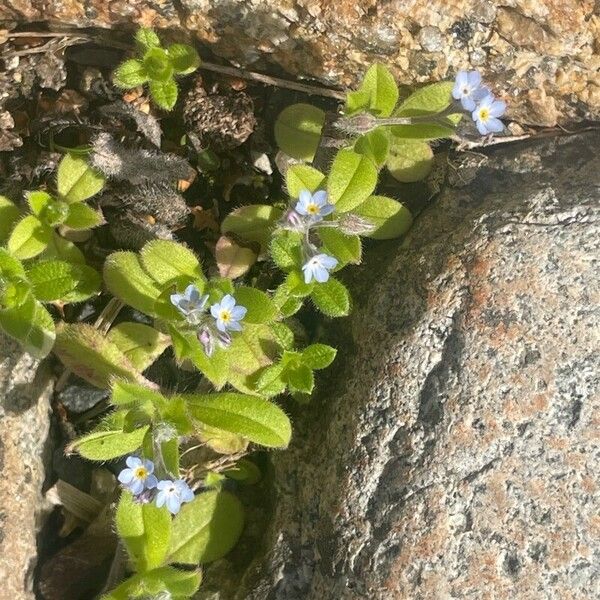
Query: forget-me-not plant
{"points": [[190, 304], [138, 476], [486, 115], [317, 267], [314, 206], [227, 314], [173, 494]]}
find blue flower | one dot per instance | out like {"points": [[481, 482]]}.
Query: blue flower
{"points": [[173, 494], [468, 89], [190, 303], [318, 267], [227, 314], [314, 206], [138, 476], [486, 115]]}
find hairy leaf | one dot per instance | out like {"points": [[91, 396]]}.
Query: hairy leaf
{"points": [[130, 74], [390, 217], [252, 223], [374, 145], [9, 215], [164, 93], [303, 177], [261, 308], [76, 180], [331, 298], [107, 445], [318, 356], [184, 58], [351, 180], [346, 248], [81, 216], [409, 160], [141, 344], [298, 130], [58, 280], [378, 93], [29, 238]]}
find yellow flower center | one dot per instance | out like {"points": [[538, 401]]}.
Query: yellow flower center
{"points": [[141, 473], [225, 316], [312, 209], [484, 114]]}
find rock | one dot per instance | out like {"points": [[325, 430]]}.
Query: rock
{"points": [[452, 451], [25, 394], [541, 55]]}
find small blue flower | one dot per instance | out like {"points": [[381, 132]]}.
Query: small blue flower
{"points": [[227, 314], [190, 302], [486, 115], [138, 476], [468, 89], [173, 494], [314, 206], [318, 268]]}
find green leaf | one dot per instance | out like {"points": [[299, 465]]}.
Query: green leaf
{"points": [[428, 100], [184, 58], [331, 298], [303, 177], [186, 346], [286, 249], [351, 180], [58, 280], [269, 381], [252, 417], [390, 217], [298, 130], [291, 306], [130, 74], [63, 249], [244, 471], [300, 379], [38, 201], [107, 445], [252, 223], [164, 93], [141, 344], [318, 356], [374, 145], [126, 393], [378, 93], [295, 285], [409, 160], [180, 585], [85, 351], [261, 309], [29, 238], [76, 180], [81, 216], [207, 528], [10, 267], [157, 65], [126, 279], [146, 531], [9, 215], [31, 324], [346, 248], [168, 262], [283, 335], [147, 38]]}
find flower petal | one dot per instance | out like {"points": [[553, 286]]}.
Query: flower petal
{"points": [[133, 462], [149, 466], [234, 326], [474, 79], [497, 108], [161, 498], [468, 103], [227, 302], [221, 326], [151, 482], [173, 504], [126, 476], [320, 197], [238, 312], [136, 487], [494, 125], [215, 310], [481, 127]]}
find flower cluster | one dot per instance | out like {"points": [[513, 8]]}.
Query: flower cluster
{"points": [[477, 99], [138, 478], [226, 317], [309, 212]]}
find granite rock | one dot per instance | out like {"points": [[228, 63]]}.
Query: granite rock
{"points": [[453, 449], [541, 55], [25, 392]]}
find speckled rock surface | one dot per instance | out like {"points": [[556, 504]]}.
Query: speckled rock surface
{"points": [[542, 54], [454, 450], [24, 424]]}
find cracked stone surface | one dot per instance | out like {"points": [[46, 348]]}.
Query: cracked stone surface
{"points": [[453, 451], [542, 55], [25, 392]]}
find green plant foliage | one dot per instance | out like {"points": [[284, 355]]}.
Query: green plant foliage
{"points": [[252, 223], [409, 160], [107, 445], [157, 66], [252, 417], [76, 180], [331, 298], [141, 344], [207, 528], [298, 130], [318, 356], [29, 238], [55, 280], [9, 215], [351, 180], [146, 531], [391, 218], [374, 145], [346, 248], [428, 100], [377, 94], [303, 177], [93, 357]]}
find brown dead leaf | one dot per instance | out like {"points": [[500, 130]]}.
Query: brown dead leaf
{"points": [[233, 260], [204, 219]]}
